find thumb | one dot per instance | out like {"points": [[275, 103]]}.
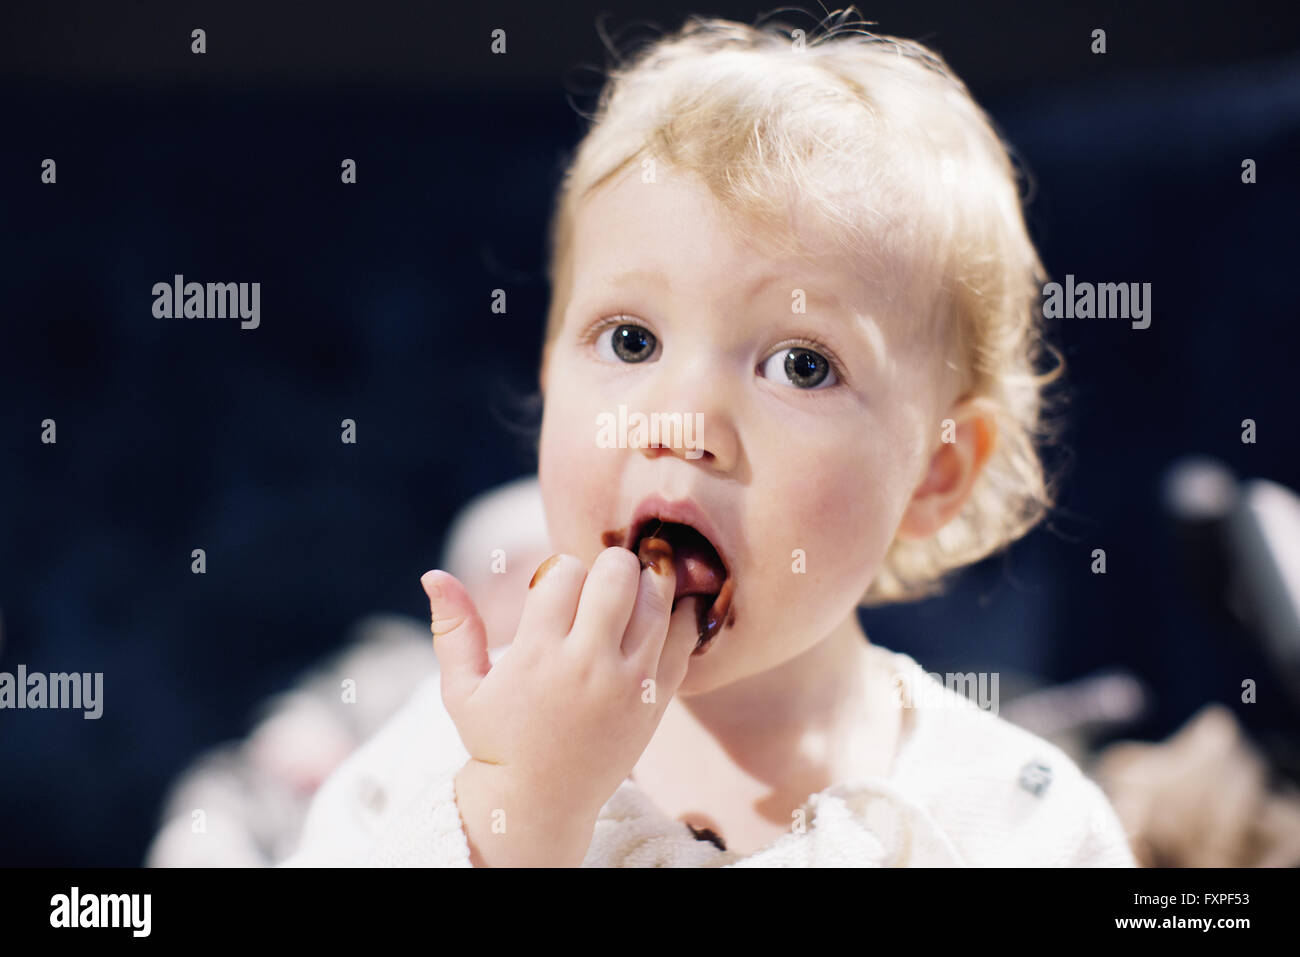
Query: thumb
{"points": [[459, 637]]}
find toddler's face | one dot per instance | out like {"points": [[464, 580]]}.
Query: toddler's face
{"points": [[814, 424]]}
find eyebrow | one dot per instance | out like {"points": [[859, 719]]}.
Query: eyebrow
{"points": [[861, 323], [654, 275], [632, 275]]}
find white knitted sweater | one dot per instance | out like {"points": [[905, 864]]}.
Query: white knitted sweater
{"points": [[967, 788]]}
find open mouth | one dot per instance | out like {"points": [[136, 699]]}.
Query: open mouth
{"points": [[701, 570]]}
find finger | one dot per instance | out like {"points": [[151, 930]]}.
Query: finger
{"points": [[683, 636], [608, 595], [648, 627], [552, 599], [459, 637]]}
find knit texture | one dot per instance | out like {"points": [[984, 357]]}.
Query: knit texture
{"points": [[966, 789]]}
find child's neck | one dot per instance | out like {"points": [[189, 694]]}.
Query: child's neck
{"points": [[789, 717]]}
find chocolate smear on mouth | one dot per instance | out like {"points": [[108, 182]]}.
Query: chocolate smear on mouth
{"points": [[716, 615], [651, 547], [657, 552]]}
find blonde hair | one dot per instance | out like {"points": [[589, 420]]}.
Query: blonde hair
{"points": [[876, 137]]}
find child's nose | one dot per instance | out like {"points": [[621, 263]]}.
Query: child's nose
{"points": [[690, 453], [695, 403], [693, 436]]}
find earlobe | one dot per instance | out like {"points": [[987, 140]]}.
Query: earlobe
{"points": [[954, 466]]}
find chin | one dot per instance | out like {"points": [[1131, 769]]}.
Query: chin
{"points": [[716, 669]]}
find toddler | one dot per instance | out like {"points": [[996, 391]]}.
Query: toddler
{"points": [[813, 252]]}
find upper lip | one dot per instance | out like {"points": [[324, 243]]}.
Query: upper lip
{"points": [[683, 512]]}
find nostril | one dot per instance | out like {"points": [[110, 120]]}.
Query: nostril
{"points": [[655, 449]]}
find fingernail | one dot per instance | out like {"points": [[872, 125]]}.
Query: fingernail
{"points": [[433, 591], [542, 569], [657, 552]]}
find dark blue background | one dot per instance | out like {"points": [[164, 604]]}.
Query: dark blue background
{"points": [[183, 434]]}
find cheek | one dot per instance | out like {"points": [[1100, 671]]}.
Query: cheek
{"points": [[842, 514], [842, 530], [575, 481]]}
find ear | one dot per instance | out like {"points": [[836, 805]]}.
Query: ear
{"points": [[964, 448]]}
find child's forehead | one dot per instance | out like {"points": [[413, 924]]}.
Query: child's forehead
{"points": [[676, 228], [676, 237]]}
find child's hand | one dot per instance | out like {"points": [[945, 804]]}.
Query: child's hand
{"points": [[560, 721]]}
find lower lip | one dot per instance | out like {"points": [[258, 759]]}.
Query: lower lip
{"points": [[712, 618]]}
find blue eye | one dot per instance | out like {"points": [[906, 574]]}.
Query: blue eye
{"points": [[802, 368], [627, 342]]}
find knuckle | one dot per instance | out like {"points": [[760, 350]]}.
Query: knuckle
{"points": [[654, 601], [587, 673], [617, 566]]}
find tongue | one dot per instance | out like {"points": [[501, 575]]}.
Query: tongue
{"points": [[696, 575]]}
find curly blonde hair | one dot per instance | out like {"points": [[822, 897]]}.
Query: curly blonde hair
{"points": [[878, 138]]}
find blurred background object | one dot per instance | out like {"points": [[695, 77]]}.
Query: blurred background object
{"points": [[1239, 552], [1204, 798], [242, 803], [254, 794], [1263, 539]]}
